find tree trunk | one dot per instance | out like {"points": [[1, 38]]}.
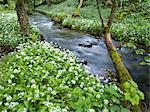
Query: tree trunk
{"points": [[34, 3], [48, 2], [22, 17], [107, 2], [77, 11], [100, 15], [5, 2], [123, 74], [80, 4], [112, 14]]}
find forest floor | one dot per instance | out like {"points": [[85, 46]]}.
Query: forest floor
{"points": [[36, 76]]}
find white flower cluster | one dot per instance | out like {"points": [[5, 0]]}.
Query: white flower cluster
{"points": [[43, 72]]}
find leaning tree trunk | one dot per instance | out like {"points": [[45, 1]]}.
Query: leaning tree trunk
{"points": [[22, 17], [123, 73]]}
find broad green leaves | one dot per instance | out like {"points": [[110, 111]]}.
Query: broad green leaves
{"points": [[132, 93]]}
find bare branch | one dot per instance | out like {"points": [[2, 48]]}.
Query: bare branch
{"points": [[80, 4], [112, 14], [100, 14]]}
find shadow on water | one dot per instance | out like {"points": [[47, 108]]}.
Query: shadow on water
{"points": [[92, 50]]}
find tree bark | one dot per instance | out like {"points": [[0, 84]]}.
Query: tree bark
{"points": [[48, 2], [123, 74], [80, 4], [99, 12], [34, 3], [112, 14], [5, 2], [22, 17], [122, 71]]}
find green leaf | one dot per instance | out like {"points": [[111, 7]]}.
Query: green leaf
{"points": [[143, 63], [141, 95], [127, 96], [131, 45], [133, 84], [21, 108], [147, 58], [27, 104], [124, 110], [140, 51], [43, 109], [126, 85], [114, 108]]}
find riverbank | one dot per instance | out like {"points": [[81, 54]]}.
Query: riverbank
{"points": [[130, 25], [24, 68], [92, 51], [36, 76]]}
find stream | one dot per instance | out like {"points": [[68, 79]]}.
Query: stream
{"points": [[93, 51]]}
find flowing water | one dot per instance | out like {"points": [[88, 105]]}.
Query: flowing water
{"points": [[93, 51]]}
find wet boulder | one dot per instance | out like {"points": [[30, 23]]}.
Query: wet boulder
{"points": [[88, 42]]}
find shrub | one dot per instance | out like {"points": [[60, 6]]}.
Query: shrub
{"points": [[40, 78]]}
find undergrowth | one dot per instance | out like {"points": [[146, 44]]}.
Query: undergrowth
{"points": [[38, 77], [10, 35]]}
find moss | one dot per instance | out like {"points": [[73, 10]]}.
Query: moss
{"points": [[123, 74]]}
